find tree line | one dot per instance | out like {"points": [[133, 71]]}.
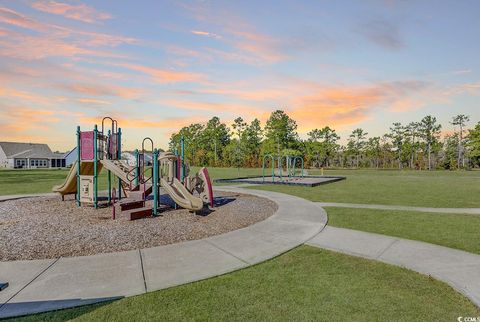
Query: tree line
{"points": [[416, 145]]}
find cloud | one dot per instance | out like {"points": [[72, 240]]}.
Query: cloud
{"points": [[79, 12], [27, 47], [103, 90], [267, 94], [206, 34], [343, 106], [213, 107], [382, 33], [93, 101], [470, 87], [162, 75], [248, 44], [11, 17], [168, 123], [22, 96], [52, 40], [261, 47], [24, 122], [252, 48], [407, 104], [461, 71]]}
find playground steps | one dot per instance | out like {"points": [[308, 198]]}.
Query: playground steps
{"points": [[135, 206], [138, 192], [134, 209], [139, 213], [129, 204]]}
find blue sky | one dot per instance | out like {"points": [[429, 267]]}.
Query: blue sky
{"points": [[159, 65]]}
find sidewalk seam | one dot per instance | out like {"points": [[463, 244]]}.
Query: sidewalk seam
{"points": [[33, 279], [226, 252], [387, 248], [143, 271]]}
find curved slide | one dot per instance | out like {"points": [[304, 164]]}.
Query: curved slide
{"points": [[70, 185], [181, 195]]}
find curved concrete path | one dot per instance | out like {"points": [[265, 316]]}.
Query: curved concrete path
{"points": [[468, 211], [459, 269], [44, 285]]}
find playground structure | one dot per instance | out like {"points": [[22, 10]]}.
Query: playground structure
{"points": [[284, 169], [290, 167], [98, 149]]}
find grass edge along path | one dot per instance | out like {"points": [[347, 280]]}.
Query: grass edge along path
{"points": [[450, 230], [306, 283], [436, 189]]}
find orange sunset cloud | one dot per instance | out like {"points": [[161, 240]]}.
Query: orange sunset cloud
{"points": [[104, 90], [162, 75], [78, 12]]}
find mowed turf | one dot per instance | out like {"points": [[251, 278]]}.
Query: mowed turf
{"points": [[36, 181], [450, 230], [450, 189], [41, 181], [306, 284], [389, 187]]}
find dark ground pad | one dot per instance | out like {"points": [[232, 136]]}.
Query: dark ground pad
{"points": [[308, 181]]}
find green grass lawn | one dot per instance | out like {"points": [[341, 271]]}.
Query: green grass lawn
{"points": [[391, 187], [449, 189], [40, 181], [37, 181], [450, 230], [228, 173], [307, 284]]}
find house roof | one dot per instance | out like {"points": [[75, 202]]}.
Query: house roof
{"points": [[26, 150], [70, 152]]}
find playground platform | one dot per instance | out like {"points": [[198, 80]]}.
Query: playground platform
{"points": [[308, 181]]}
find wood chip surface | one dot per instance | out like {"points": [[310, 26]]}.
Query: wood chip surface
{"points": [[47, 227]]}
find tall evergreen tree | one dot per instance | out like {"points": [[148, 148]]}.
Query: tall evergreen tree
{"points": [[280, 132], [460, 121], [397, 135], [252, 137], [430, 132], [216, 136], [323, 144], [412, 129], [357, 138], [473, 144]]}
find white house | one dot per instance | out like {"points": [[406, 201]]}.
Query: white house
{"points": [[28, 155]]}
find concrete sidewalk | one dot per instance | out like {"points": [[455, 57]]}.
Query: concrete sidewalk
{"points": [[44, 285], [468, 211], [459, 269]]}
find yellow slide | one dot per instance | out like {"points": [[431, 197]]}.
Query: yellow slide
{"points": [[181, 195], [70, 184]]}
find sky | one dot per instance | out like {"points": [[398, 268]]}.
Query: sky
{"points": [[156, 66]]}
